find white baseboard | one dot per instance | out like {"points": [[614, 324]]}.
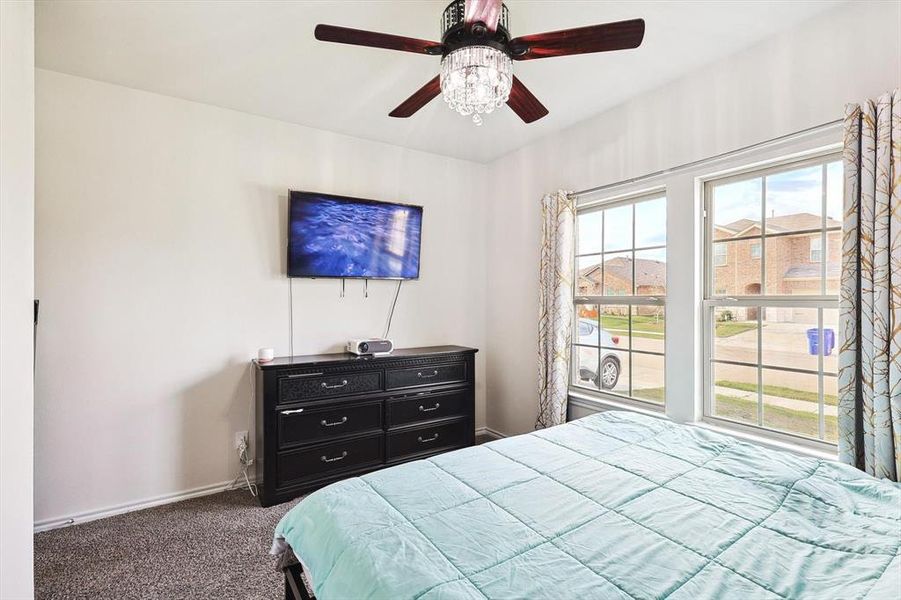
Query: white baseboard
{"points": [[489, 432], [126, 507]]}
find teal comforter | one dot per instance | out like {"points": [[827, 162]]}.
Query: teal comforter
{"points": [[615, 505]]}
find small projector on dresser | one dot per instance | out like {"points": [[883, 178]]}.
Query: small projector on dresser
{"points": [[370, 346]]}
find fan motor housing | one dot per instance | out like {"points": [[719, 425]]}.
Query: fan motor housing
{"points": [[454, 33]]}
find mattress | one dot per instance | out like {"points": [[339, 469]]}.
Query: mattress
{"points": [[615, 505]]}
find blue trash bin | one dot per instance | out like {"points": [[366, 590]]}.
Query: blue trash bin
{"points": [[813, 341], [828, 341]]}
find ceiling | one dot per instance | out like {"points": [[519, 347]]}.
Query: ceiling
{"points": [[261, 58]]}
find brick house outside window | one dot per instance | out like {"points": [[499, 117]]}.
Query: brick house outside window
{"points": [[791, 267]]}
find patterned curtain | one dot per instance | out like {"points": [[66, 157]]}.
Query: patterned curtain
{"points": [[555, 316], [869, 378]]}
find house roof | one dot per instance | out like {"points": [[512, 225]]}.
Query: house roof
{"points": [[590, 270], [647, 272], [740, 225], [780, 224]]}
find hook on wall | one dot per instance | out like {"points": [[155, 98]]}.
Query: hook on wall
{"points": [[343, 282], [365, 288]]}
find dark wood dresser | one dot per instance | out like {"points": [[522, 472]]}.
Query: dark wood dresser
{"points": [[324, 417]]}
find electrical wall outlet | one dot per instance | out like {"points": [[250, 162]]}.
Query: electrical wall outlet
{"points": [[241, 438]]}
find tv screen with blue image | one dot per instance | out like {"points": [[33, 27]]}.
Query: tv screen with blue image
{"points": [[335, 236]]}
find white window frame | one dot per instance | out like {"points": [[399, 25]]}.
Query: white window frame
{"points": [[712, 300], [597, 204], [685, 346]]}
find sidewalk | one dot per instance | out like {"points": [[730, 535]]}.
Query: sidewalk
{"points": [[790, 403]]}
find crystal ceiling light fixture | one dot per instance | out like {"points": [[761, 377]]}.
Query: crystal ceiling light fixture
{"points": [[475, 80], [476, 70], [477, 56]]}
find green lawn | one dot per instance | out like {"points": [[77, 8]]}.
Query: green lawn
{"points": [[780, 391], [651, 394], [745, 411], [652, 327], [730, 328], [774, 417], [642, 326]]}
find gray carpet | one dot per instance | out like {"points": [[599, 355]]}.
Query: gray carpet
{"points": [[211, 547]]}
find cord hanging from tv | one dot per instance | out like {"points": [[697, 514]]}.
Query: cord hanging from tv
{"points": [[352, 238]]}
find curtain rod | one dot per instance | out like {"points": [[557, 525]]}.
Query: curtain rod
{"points": [[701, 161]]}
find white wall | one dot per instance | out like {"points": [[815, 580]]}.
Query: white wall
{"points": [[160, 235], [160, 268], [793, 81], [16, 296]]}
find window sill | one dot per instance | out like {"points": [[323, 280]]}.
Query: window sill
{"points": [[769, 442], [601, 401]]}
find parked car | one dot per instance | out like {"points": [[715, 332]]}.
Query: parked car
{"points": [[589, 335]]}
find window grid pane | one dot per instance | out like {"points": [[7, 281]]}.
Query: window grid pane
{"points": [[771, 357], [621, 271]]}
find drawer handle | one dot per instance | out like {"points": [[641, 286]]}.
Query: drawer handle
{"points": [[336, 386], [423, 409], [324, 458], [434, 373], [327, 424], [423, 440], [296, 411]]}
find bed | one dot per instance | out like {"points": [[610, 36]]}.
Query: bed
{"points": [[615, 505]]}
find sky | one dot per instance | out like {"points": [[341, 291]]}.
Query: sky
{"points": [[787, 193], [616, 223]]}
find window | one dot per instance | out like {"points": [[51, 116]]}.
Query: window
{"points": [[771, 325], [620, 294], [720, 256], [816, 249]]}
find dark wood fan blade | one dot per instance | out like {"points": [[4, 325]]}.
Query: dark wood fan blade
{"points": [[594, 38], [420, 98], [524, 103], [482, 11], [372, 39]]}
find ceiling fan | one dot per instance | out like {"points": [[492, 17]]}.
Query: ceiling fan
{"points": [[477, 56]]}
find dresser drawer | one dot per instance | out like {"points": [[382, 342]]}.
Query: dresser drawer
{"points": [[425, 407], [324, 459], [292, 388], [305, 425], [426, 439], [431, 375]]}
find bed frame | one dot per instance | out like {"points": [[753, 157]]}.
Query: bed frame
{"points": [[295, 588]]}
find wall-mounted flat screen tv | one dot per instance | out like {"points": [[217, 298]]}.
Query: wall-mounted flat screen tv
{"points": [[336, 236]]}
